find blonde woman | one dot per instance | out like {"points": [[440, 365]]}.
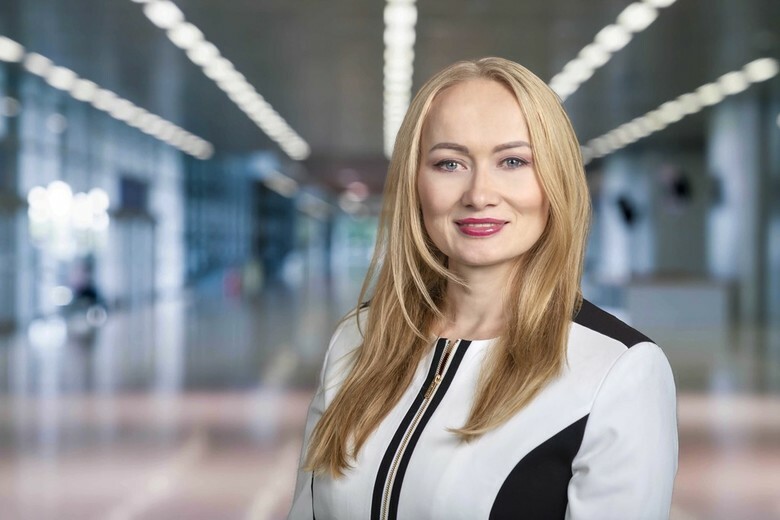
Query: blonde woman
{"points": [[477, 383]]}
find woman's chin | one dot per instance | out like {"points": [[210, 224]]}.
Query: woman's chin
{"points": [[480, 262]]}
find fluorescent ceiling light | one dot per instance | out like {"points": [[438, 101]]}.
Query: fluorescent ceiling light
{"points": [[710, 94], [242, 98], [219, 68], [397, 84], [586, 153], [671, 111], [633, 19], [622, 135], [685, 104], [61, 78], [148, 122], [163, 14], [37, 64], [10, 50], [400, 14], [637, 16], [635, 130], [733, 82], [104, 99], [203, 53], [200, 51], [613, 37], [136, 117], [613, 141], [656, 120], [690, 103], [563, 88], [761, 70], [239, 87], [179, 140], [660, 3], [259, 108], [122, 109], [395, 53], [400, 37], [185, 35], [645, 125], [83, 90], [594, 54], [228, 76], [578, 71], [232, 82], [400, 17]]}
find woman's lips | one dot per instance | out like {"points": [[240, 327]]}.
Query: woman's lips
{"points": [[480, 227]]}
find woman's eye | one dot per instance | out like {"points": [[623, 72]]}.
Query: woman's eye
{"points": [[515, 162], [449, 166]]}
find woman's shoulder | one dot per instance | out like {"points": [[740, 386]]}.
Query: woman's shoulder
{"points": [[349, 331], [599, 339], [613, 329], [601, 343], [345, 341]]}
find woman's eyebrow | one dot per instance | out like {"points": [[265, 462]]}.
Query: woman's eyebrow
{"points": [[463, 149], [449, 146], [513, 144]]}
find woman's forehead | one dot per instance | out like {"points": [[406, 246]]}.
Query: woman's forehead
{"points": [[475, 110]]}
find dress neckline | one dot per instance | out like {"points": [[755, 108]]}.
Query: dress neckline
{"points": [[471, 341]]}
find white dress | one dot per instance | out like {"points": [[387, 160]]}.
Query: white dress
{"points": [[599, 442]]}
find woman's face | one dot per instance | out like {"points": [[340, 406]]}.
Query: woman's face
{"points": [[482, 203]]}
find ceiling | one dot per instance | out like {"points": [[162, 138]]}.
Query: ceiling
{"points": [[320, 63]]}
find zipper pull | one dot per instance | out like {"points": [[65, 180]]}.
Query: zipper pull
{"points": [[440, 370], [434, 384]]}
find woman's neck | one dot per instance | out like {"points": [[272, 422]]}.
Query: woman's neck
{"points": [[477, 310]]}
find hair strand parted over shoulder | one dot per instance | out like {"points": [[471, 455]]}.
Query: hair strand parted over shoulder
{"points": [[409, 278]]}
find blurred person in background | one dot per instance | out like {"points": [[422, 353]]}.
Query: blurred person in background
{"points": [[88, 310], [478, 383]]}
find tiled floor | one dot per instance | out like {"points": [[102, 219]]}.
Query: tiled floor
{"points": [[194, 410]]}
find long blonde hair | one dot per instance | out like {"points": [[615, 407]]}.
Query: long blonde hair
{"points": [[409, 277]]}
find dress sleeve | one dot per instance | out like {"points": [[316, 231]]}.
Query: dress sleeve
{"points": [[302, 499], [627, 461]]}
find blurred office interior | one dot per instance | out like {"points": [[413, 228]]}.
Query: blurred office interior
{"points": [[189, 192]]}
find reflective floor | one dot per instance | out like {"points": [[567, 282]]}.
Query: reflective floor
{"points": [[194, 409]]}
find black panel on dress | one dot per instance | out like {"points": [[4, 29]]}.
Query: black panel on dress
{"points": [[603, 322], [444, 385], [537, 487], [387, 460]]}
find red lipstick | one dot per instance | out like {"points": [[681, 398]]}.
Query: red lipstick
{"points": [[480, 227]]}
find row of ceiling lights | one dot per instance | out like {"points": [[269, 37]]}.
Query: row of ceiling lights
{"points": [[167, 16], [635, 18], [105, 100], [672, 111], [400, 17]]}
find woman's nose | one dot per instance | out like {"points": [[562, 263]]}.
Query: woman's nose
{"points": [[481, 190]]}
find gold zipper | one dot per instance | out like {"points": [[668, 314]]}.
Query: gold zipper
{"points": [[448, 349], [440, 371]]}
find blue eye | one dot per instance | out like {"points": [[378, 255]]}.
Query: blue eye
{"points": [[515, 162], [447, 165]]}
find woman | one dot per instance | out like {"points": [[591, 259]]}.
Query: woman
{"points": [[478, 383]]}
